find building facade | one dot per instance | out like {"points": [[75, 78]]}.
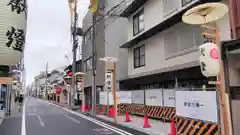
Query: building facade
{"points": [[110, 31], [13, 21], [161, 48]]}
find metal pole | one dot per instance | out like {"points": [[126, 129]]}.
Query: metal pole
{"points": [[93, 66], [75, 44], [46, 72]]}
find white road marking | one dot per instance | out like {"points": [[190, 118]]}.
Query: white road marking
{"points": [[114, 129], [72, 119], [35, 110], [40, 120], [23, 128]]}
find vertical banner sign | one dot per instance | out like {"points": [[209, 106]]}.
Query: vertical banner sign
{"points": [[138, 97], [209, 59], [154, 97], [169, 97], [201, 105], [12, 31], [108, 80]]}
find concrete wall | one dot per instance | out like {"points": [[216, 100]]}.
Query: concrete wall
{"points": [[156, 57], [110, 33], [87, 49]]}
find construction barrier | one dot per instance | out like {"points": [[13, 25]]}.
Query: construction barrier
{"points": [[195, 127], [169, 113]]}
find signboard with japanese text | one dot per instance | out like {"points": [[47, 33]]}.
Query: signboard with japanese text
{"points": [[12, 31], [108, 80], [169, 97], [201, 105], [154, 97], [209, 59], [103, 98], [138, 97]]}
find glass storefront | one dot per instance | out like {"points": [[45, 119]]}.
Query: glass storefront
{"points": [[3, 90]]}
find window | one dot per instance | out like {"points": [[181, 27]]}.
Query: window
{"points": [[170, 6], [89, 64], [185, 2], [138, 22], [182, 39], [139, 56]]}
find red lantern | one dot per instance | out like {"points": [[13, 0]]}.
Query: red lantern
{"points": [[69, 74], [58, 90]]}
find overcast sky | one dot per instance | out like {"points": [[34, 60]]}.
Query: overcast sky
{"points": [[48, 35]]}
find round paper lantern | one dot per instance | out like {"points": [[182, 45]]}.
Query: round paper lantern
{"points": [[12, 31], [209, 59]]}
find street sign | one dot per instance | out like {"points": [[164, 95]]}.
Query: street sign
{"points": [[108, 80], [209, 59]]}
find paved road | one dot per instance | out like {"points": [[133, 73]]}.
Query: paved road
{"points": [[42, 118]]}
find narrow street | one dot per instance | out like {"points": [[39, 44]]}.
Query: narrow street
{"points": [[43, 118]]}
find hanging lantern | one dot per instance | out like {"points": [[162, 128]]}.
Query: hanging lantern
{"points": [[12, 31], [58, 90], [69, 74], [209, 59]]}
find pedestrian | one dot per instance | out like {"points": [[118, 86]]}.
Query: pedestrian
{"points": [[20, 102]]}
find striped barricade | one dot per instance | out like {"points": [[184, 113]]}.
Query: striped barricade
{"points": [[137, 109], [155, 111], [196, 127], [169, 113]]}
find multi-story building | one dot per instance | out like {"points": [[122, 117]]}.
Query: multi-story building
{"points": [[13, 20], [40, 82], [161, 48], [110, 31]]}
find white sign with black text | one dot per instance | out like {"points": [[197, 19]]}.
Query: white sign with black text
{"points": [[108, 80], [124, 97], [169, 97], [138, 97], [154, 97], [201, 105]]}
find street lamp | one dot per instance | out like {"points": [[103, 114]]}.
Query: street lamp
{"points": [[111, 61], [205, 15]]}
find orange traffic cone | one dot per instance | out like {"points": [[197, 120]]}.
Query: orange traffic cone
{"points": [[127, 117], [146, 124], [83, 108], [173, 128], [111, 112]]}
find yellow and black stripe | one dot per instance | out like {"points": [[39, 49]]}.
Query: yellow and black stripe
{"points": [[196, 127], [169, 113]]}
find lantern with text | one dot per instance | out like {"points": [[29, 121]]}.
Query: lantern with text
{"points": [[108, 80], [209, 59], [13, 31]]}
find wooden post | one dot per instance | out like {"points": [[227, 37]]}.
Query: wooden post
{"points": [[215, 37], [114, 91], [113, 70]]}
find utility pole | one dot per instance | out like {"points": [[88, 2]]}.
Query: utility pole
{"points": [[46, 72], [75, 44], [94, 65]]}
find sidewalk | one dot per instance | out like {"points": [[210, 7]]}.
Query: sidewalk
{"points": [[157, 127]]}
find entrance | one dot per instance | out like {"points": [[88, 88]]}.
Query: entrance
{"points": [[231, 60]]}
